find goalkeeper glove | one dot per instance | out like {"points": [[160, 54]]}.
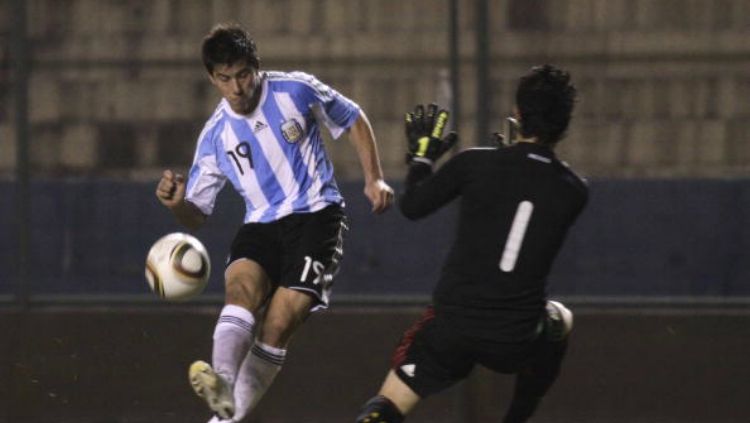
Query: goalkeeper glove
{"points": [[424, 133]]}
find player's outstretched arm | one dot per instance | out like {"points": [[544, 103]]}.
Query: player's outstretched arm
{"points": [[171, 193], [376, 189], [424, 191]]}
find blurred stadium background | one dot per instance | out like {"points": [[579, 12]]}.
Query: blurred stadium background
{"points": [[97, 97]]}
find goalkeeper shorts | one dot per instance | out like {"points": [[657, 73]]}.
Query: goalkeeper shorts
{"points": [[433, 355]]}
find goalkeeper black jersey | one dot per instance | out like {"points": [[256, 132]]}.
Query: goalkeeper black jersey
{"points": [[516, 206]]}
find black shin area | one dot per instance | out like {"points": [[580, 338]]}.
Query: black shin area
{"points": [[379, 409], [521, 409]]}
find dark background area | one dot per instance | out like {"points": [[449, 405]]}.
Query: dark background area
{"points": [[671, 240]]}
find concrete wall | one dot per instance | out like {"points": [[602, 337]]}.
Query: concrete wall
{"points": [[118, 86]]}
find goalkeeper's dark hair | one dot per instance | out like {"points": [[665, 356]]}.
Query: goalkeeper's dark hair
{"points": [[227, 44], [545, 99]]}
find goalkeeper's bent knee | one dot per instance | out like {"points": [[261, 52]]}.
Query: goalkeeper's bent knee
{"points": [[379, 409]]}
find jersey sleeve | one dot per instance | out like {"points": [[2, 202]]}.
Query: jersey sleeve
{"points": [[205, 178], [338, 112], [425, 191]]}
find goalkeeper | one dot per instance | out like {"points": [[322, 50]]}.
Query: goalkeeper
{"points": [[490, 305]]}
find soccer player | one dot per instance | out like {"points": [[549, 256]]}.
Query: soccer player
{"points": [[264, 138], [490, 305]]}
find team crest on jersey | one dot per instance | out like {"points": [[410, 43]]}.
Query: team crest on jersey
{"points": [[292, 131]]}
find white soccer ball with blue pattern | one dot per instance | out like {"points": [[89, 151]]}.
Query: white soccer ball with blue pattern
{"points": [[178, 267]]}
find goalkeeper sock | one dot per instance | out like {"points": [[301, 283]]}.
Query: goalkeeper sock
{"points": [[232, 339], [521, 409], [258, 371]]}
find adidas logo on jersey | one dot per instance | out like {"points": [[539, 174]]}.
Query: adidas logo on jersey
{"points": [[259, 125], [409, 369]]}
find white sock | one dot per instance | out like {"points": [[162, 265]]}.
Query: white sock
{"points": [[232, 339], [259, 369]]}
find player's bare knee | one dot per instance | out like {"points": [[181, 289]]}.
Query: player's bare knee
{"points": [[244, 292]]}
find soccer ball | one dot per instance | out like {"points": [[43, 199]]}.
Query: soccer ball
{"points": [[177, 267]]}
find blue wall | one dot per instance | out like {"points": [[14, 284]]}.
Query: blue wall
{"points": [[636, 238]]}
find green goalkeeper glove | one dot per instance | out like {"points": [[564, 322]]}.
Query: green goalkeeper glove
{"points": [[424, 132]]}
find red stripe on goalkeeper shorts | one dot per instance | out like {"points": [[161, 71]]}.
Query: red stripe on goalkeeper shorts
{"points": [[399, 356]]}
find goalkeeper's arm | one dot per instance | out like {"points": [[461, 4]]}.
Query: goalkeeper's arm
{"points": [[425, 144], [425, 191]]}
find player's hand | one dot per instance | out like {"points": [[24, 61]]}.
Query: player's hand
{"points": [[171, 189], [511, 133], [380, 195], [424, 133], [497, 139]]}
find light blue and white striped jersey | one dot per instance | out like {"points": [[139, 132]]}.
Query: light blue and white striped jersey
{"points": [[274, 157]]}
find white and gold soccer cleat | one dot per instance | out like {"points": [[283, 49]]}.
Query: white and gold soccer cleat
{"points": [[210, 386]]}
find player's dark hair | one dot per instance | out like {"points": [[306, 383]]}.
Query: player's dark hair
{"points": [[228, 44], [545, 99]]}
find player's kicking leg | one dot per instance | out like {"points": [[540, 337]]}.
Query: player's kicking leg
{"points": [[287, 310], [310, 248], [535, 379], [246, 287]]}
